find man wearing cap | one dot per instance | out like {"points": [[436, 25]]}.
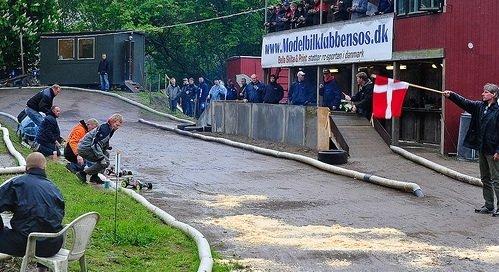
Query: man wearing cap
{"points": [[483, 136], [301, 92], [38, 206], [330, 91]]}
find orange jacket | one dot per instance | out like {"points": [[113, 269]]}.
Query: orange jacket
{"points": [[76, 134]]}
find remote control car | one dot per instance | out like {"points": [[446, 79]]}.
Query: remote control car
{"points": [[136, 184]]}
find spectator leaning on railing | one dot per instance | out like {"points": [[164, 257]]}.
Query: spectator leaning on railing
{"points": [[254, 91], [273, 91], [301, 92]]}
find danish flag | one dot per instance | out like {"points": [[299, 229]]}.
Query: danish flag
{"points": [[388, 97]]}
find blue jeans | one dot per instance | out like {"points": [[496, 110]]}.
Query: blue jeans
{"points": [[104, 82], [173, 105], [35, 116]]}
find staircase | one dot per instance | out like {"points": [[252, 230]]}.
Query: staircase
{"points": [[131, 86]]}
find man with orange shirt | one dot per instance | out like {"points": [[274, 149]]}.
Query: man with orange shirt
{"points": [[76, 162]]}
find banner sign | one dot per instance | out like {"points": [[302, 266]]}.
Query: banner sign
{"points": [[347, 42]]}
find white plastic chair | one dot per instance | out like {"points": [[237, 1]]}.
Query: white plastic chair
{"points": [[82, 227]]}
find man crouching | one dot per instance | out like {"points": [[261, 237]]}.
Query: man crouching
{"points": [[93, 148]]}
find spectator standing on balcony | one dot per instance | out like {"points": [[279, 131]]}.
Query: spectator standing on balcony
{"points": [[301, 92], [217, 92], [173, 91], [273, 91], [330, 91], [300, 19], [204, 89], [254, 91], [363, 99], [282, 22], [270, 24], [340, 10], [358, 9], [316, 11], [385, 6], [103, 72], [372, 7]]}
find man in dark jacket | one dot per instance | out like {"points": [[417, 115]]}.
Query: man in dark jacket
{"points": [[94, 148], [204, 89], [103, 72], [363, 100], [483, 135], [331, 91], [49, 134], [254, 91], [38, 206], [273, 91], [41, 102], [301, 92]]}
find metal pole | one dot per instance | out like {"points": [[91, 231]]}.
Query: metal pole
{"points": [[22, 51], [159, 82], [320, 13], [318, 84], [117, 167], [266, 10]]}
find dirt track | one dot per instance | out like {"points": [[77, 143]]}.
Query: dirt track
{"points": [[279, 215]]}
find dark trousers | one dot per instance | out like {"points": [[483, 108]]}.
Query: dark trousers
{"points": [[71, 157], [489, 174], [14, 244], [48, 149]]}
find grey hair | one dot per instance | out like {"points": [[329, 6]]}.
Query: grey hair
{"points": [[92, 121], [491, 88]]}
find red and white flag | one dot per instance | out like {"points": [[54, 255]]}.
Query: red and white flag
{"points": [[388, 97]]}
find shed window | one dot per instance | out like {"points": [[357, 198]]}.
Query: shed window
{"points": [[86, 48], [405, 7], [66, 49]]}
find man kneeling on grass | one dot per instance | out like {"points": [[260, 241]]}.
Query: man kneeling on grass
{"points": [[76, 162], [93, 148], [38, 206]]}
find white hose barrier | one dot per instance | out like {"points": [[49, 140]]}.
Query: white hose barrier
{"points": [[204, 251], [399, 185], [437, 167], [12, 150], [10, 116]]}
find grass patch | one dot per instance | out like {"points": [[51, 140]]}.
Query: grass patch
{"points": [[143, 243], [155, 100]]}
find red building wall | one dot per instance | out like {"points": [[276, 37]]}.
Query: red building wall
{"points": [[466, 70]]}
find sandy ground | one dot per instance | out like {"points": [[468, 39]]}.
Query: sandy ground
{"points": [[278, 215]]}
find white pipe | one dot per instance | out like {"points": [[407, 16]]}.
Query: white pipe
{"points": [[437, 167], [12, 150], [9, 116], [204, 251], [399, 185]]}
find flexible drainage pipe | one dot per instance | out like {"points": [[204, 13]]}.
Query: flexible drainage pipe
{"points": [[204, 251], [10, 116], [399, 185], [12, 150], [437, 167]]}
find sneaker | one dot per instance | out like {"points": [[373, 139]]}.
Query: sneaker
{"points": [[95, 179], [82, 176], [485, 210], [495, 214]]}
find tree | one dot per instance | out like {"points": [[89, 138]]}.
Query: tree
{"points": [[29, 18]]}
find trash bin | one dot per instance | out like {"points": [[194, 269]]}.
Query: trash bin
{"points": [[464, 152]]}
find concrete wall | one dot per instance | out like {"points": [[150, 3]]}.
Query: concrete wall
{"points": [[294, 125]]}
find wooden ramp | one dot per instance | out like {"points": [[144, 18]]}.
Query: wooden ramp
{"points": [[357, 136]]}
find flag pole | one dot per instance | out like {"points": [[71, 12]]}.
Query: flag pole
{"points": [[419, 87]]}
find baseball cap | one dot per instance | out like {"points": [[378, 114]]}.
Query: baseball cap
{"points": [[300, 73]]}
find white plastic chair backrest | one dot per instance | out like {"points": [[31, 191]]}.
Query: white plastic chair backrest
{"points": [[83, 227]]}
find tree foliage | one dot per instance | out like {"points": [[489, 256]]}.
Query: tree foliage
{"points": [[29, 18], [193, 50]]}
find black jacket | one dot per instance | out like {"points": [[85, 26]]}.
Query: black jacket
{"points": [[363, 100], [49, 132], [37, 204], [273, 93], [42, 101], [483, 133], [103, 67]]}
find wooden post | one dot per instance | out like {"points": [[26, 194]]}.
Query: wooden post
{"points": [[22, 51]]}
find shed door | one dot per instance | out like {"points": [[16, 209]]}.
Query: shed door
{"points": [[129, 58]]}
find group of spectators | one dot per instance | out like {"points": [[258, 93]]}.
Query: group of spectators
{"points": [[88, 142], [193, 97], [291, 15]]}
